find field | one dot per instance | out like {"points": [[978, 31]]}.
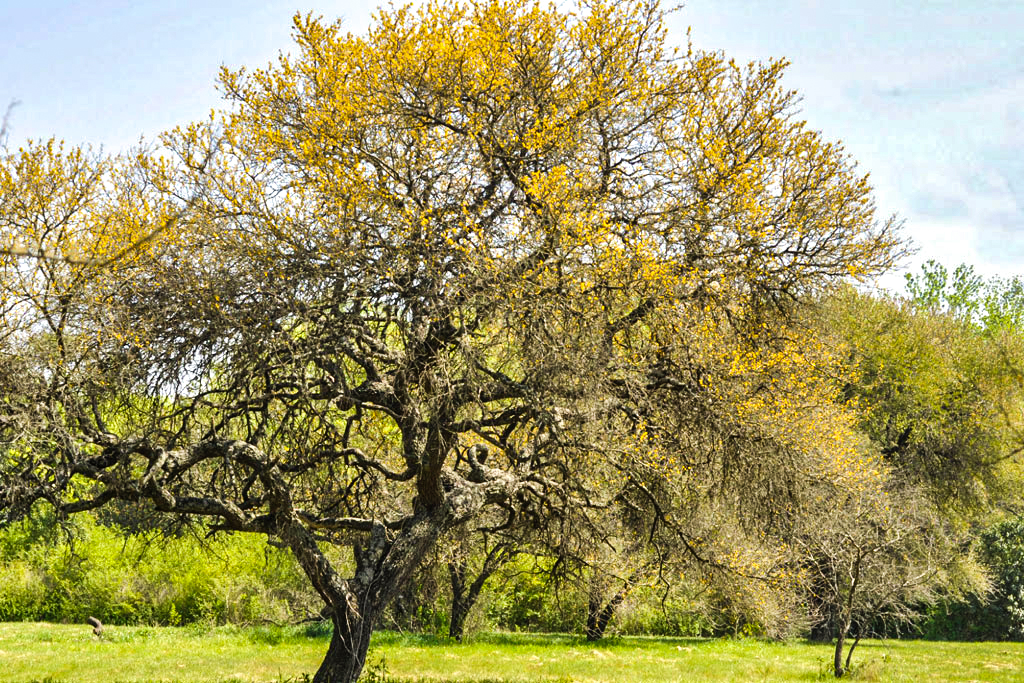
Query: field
{"points": [[52, 653]]}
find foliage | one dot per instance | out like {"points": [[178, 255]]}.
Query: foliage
{"points": [[1002, 550], [939, 400], [490, 260], [83, 569], [997, 615], [992, 304]]}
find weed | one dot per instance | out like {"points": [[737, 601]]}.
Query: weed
{"points": [[377, 672]]}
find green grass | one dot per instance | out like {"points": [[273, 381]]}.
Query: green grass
{"points": [[53, 652]]}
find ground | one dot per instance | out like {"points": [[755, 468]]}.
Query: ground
{"points": [[59, 652]]}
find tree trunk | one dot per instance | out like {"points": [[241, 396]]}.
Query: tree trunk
{"points": [[460, 606], [598, 616], [838, 660], [593, 610], [844, 628], [463, 596], [846, 619], [856, 641], [346, 655], [382, 567], [457, 625]]}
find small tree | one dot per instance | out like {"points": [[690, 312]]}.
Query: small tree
{"points": [[470, 565], [875, 556]]}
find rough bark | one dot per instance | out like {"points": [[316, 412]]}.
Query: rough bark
{"points": [[346, 655], [384, 562], [460, 598]]}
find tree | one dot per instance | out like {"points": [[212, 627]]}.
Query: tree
{"points": [[467, 584], [939, 404], [6, 121], [1002, 551], [483, 260], [874, 555], [939, 395]]}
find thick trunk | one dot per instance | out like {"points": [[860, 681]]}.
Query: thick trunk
{"points": [[346, 655], [385, 561], [460, 608], [593, 609], [457, 626], [382, 567]]}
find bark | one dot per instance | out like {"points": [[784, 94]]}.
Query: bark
{"points": [[846, 619], [460, 599], [383, 566], [599, 616], [346, 655], [463, 596], [385, 562], [838, 659], [849, 654]]}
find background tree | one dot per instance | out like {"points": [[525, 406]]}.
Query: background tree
{"points": [[874, 556], [940, 401], [482, 260], [6, 122], [1002, 551], [469, 569]]}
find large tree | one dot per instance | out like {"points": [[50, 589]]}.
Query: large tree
{"points": [[489, 258]]}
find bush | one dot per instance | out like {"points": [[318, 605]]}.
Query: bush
{"points": [[1002, 551], [999, 616], [144, 578]]}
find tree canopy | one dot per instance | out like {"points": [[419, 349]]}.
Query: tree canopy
{"points": [[490, 259]]}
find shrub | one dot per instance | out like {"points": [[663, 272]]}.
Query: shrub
{"points": [[144, 578]]}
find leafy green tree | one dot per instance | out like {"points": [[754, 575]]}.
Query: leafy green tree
{"points": [[937, 290], [1002, 551], [998, 614], [940, 404], [938, 398]]}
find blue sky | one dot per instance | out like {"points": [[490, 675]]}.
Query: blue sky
{"points": [[928, 95]]}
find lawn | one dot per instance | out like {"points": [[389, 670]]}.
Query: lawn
{"points": [[53, 652]]}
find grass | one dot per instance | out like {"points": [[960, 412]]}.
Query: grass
{"points": [[57, 653]]}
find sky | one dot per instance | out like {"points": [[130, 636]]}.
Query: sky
{"points": [[927, 95]]}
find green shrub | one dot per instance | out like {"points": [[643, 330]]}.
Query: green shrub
{"points": [[91, 569], [999, 616]]}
